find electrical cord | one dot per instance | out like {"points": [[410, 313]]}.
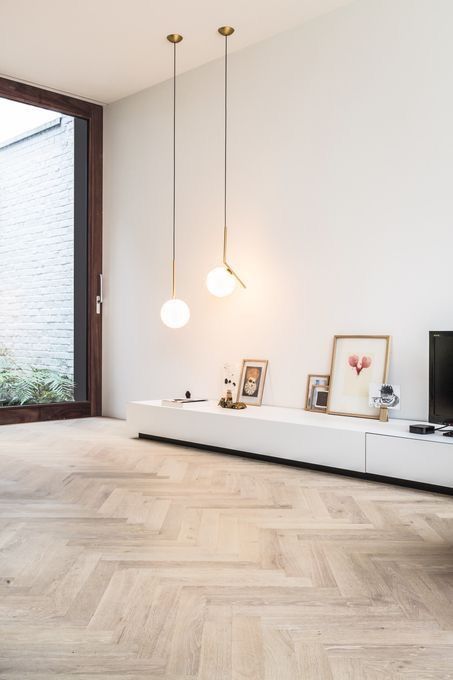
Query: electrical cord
{"points": [[446, 433]]}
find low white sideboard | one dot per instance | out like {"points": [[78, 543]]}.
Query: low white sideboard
{"points": [[357, 445]]}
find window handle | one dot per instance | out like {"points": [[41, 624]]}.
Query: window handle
{"points": [[100, 296]]}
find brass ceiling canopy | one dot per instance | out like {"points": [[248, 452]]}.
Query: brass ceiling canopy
{"points": [[174, 38], [226, 31]]}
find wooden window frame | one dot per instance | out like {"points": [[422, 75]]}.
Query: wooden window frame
{"points": [[93, 113]]}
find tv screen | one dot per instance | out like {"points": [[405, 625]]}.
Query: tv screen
{"points": [[441, 376]]}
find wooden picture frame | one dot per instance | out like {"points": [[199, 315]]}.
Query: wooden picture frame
{"points": [[312, 380], [253, 375], [357, 361]]}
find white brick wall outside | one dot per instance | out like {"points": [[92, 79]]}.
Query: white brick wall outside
{"points": [[36, 247]]}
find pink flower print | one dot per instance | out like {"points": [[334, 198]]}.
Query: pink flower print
{"points": [[359, 364]]}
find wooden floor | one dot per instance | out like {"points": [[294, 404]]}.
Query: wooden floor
{"points": [[129, 559]]}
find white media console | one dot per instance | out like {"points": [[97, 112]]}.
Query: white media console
{"points": [[351, 444]]}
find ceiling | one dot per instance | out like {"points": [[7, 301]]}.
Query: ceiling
{"points": [[104, 50]]}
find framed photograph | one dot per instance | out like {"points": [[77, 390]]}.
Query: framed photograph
{"points": [[319, 397], [357, 361], [385, 396], [312, 381], [251, 384]]}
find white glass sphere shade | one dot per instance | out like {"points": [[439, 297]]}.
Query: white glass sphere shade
{"points": [[175, 313], [220, 282]]}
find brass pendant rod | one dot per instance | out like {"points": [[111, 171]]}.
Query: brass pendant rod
{"points": [[173, 285], [233, 273], [225, 239], [225, 146], [174, 38], [226, 31]]}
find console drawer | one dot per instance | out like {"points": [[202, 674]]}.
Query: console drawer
{"points": [[412, 459]]}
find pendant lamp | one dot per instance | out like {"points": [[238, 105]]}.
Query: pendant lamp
{"points": [[174, 313], [222, 280]]}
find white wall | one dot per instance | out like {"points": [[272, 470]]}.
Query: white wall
{"points": [[341, 205]]}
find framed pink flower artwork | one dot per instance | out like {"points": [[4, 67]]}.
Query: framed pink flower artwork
{"points": [[357, 361]]}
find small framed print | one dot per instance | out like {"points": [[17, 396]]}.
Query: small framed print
{"points": [[385, 396], [251, 384], [319, 397], [357, 361], [313, 381]]}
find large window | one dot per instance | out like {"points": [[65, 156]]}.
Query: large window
{"points": [[50, 258]]}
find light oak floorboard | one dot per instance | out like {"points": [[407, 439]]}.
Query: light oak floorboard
{"points": [[130, 559]]}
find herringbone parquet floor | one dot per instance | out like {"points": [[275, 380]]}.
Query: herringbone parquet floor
{"points": [[134, 560]]}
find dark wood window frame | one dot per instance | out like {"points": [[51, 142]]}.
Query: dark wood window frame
{"points": [[93, 113]]}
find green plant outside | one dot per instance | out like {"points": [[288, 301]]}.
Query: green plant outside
{"points": [[19, 387]]}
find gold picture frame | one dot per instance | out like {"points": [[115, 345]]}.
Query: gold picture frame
{"points": [[312, 379], [253, 371], [348, 389]]}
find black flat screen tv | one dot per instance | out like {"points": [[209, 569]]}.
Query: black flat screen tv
{"points": [[441, 377]]}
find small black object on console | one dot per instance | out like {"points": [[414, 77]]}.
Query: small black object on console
{"points": [[419, 428]]}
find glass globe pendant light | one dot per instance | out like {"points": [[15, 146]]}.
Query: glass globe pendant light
{"points": [[222, 280], [174, 313]]}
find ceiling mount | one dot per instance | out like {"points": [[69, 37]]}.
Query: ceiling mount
{"points": [[226, 31], [174, 38]]}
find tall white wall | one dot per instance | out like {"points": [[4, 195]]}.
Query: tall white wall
{"points": [[341, 207]]}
